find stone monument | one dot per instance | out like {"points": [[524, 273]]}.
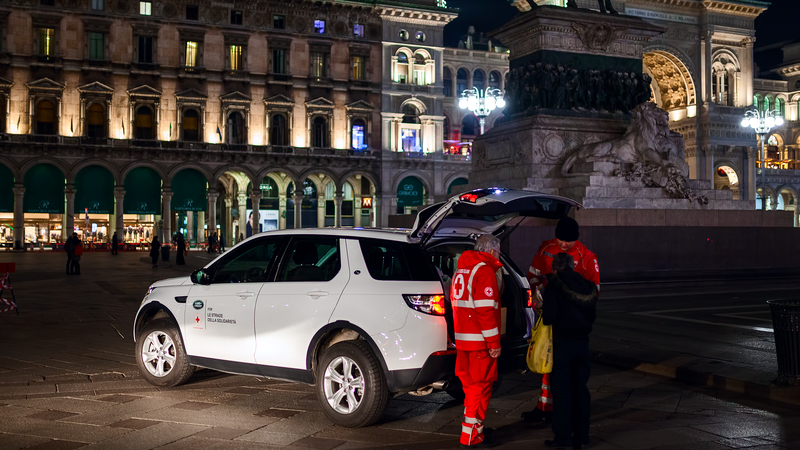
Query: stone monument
{"points": [[579, 121]]}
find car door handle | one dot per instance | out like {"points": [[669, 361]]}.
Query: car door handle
{"points": [[244, 294], [316, 294]]}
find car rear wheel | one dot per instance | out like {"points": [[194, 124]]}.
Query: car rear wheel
{"points": [[160, 355], [350, 385]]}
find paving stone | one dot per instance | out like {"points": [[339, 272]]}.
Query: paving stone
{"points": [[59, 429], [149, 438], [52, 415], [193, 406], [221, 433], [271, 437], [274, 412], [134, 424], [119, 398], [11, 441], [741, 429], [317, 443], [58, 445], [117, 412], [218, 416]]}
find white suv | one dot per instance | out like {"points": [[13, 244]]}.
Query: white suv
{"points": [[359, 313]]}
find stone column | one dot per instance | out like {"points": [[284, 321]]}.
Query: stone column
{"points": [[229, 238], [69, 192], [201, 223], [242, 198], [375, 214], [298, 217], [337, 221], [706, 66], [282, 211], [19, 216], [189, 225], [166, 216], [321, 210], [255, 197], [212, 212], [119, 210]]}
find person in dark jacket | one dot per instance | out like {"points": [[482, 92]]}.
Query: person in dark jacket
{"points": [[155, 247], [179, 258], [69, 247], [114, 244], [569, 305]]}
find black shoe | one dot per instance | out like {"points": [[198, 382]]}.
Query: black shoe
{"points": [[489, 441], [552, 443]]}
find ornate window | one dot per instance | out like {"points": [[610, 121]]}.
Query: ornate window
{"points": [[494, 79], [96, 121], [319, 65], [401, 67], [319, 132], [461, 81], [358, 133], [478, 80], [191, 125], [278, 131], [45, 106], [144, 123], [410, 114], [45, 117], [144, 103], [235, 129]]}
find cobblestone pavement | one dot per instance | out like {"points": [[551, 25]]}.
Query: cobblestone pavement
{"points": [[68, 380]]}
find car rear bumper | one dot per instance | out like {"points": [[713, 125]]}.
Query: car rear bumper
{"points": [[436, 368]]}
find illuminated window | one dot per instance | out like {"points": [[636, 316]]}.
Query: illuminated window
{"points": [[358, 30], [191, 125], [358, 135], [96, 121], [144, 123], [146, 8], [358, 67], [191, 54], [47, 41], [236, 57], [319, 26], [318, 69]]}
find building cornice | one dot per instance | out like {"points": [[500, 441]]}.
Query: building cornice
{"points": [[416, 16], [744, 8]]}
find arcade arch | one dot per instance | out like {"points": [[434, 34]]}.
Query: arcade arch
{"points": [[672, 85]]}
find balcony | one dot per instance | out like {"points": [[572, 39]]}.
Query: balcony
{"points": [[46, 61], [103, 65], [323, 82], [192, 72], [280, 78], [146, 68], [361, 85], [236, 75]]}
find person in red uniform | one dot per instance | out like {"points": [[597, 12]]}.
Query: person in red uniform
{"points": [[475, 297], [566, 241]]}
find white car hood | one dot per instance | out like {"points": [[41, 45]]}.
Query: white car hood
{"points": [[179, 281]]}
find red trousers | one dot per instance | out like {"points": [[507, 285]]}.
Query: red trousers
{"points": [[477, 371], [546, 399]]}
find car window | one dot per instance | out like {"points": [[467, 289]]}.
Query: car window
{"points": [[398, 261], [250, 264], [311, 259]]}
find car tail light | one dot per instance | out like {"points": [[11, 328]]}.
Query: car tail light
{"points": [[444, 352], [428, 304]]}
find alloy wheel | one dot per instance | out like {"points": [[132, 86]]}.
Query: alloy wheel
{"points": [[158, 353], [343, 385]]}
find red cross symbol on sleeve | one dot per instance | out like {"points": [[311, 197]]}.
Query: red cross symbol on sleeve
{"points": [[197, 319]]}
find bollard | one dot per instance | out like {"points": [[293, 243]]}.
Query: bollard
{"points": [[786, 324]]}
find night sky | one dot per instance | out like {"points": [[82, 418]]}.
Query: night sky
{"points": [[777, 24]]}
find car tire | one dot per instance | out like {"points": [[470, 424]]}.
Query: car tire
{"points": [[351, 386], [160, 354]]}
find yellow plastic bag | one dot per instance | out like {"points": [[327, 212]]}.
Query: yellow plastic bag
{"points": [[540, 350]]}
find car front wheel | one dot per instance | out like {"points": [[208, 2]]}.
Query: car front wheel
{"points": [[350, 385], [160, 355]]}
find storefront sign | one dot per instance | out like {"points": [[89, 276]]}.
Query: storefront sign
{"points": [[660, 15], [409, 192], [366, 202]]}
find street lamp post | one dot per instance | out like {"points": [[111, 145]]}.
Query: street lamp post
{"points": [[481, 103], [762, 122]]}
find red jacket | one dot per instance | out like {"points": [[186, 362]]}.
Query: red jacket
{"points": [[476, 302], [585, 263]]}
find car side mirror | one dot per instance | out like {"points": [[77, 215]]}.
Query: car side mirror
{"points": [[199, 276]]}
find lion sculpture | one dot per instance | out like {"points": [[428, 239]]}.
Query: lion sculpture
{"points": [[647, 140]]}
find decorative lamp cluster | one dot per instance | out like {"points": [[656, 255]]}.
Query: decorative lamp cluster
{"points": [[481, 103]]}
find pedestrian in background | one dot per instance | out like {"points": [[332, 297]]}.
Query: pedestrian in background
{"points": [[221, 242], [114, 244], [69, 248], [570, 306], [76, 255], [179, 258], [566, 241], [241, 237], [476, 315], [155, 247], [212, 243]]}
